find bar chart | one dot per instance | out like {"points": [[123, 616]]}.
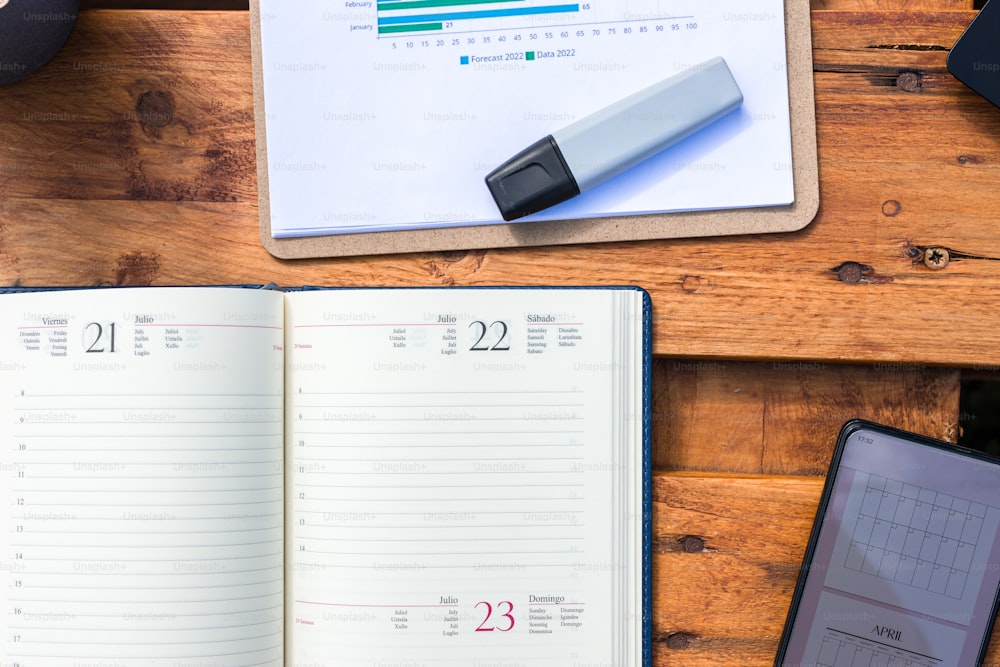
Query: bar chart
{"points": [[428, 96], [408, 16], [494, 35]]}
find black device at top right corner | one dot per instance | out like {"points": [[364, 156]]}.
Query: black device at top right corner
{"points": [[975, 58]]}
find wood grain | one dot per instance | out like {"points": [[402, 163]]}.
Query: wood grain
{"points": [[783, 418], [890, 5], [723, 576], [142, 127]]}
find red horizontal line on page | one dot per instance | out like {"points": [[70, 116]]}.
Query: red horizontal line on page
{"points": [[425, 324], [372, 606], [410, 606], [218, 326]]}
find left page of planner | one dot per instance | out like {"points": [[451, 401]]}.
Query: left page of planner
{"points": [[141, 458]]}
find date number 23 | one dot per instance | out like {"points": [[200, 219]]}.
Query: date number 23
{"points": [[499, 618]]}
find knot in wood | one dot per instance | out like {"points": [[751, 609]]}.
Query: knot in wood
{"points": [[692, 544], [155, 108], [679, 640], [452, 256]]}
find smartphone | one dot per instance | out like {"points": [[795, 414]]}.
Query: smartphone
{"points": [[903, 563], [975, 58]]}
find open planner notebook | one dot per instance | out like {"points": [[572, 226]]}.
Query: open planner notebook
{"points": [[232, 476]]}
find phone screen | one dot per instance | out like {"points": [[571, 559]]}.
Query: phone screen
{"points": [[903, 565]]}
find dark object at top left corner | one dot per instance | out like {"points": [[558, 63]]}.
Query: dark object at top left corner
{"points": [[31, 33]]}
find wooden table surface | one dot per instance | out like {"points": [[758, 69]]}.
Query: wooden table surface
{"points": [[129, 160]]}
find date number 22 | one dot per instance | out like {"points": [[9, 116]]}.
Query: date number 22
{"points": [[490, 338]]}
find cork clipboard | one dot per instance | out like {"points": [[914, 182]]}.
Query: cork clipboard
{"points": [[798, 31]]}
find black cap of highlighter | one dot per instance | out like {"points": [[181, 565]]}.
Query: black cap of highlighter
{"points": [[531, 181]]}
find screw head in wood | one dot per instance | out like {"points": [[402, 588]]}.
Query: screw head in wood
{"points": [[937, 258]]}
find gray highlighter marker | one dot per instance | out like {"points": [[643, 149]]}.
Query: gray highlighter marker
{"points": [[609, 141]]}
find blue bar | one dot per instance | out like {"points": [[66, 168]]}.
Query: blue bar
{"points": [[484, 14]]}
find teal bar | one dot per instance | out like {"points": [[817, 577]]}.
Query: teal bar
{"points": [[412, 27], [421, 4], [481, 14]]}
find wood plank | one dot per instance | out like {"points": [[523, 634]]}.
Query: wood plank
{"points": [[889, 5], [723, 576], [165, 4], [137, 106], [783, 418], [142, 127]]}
